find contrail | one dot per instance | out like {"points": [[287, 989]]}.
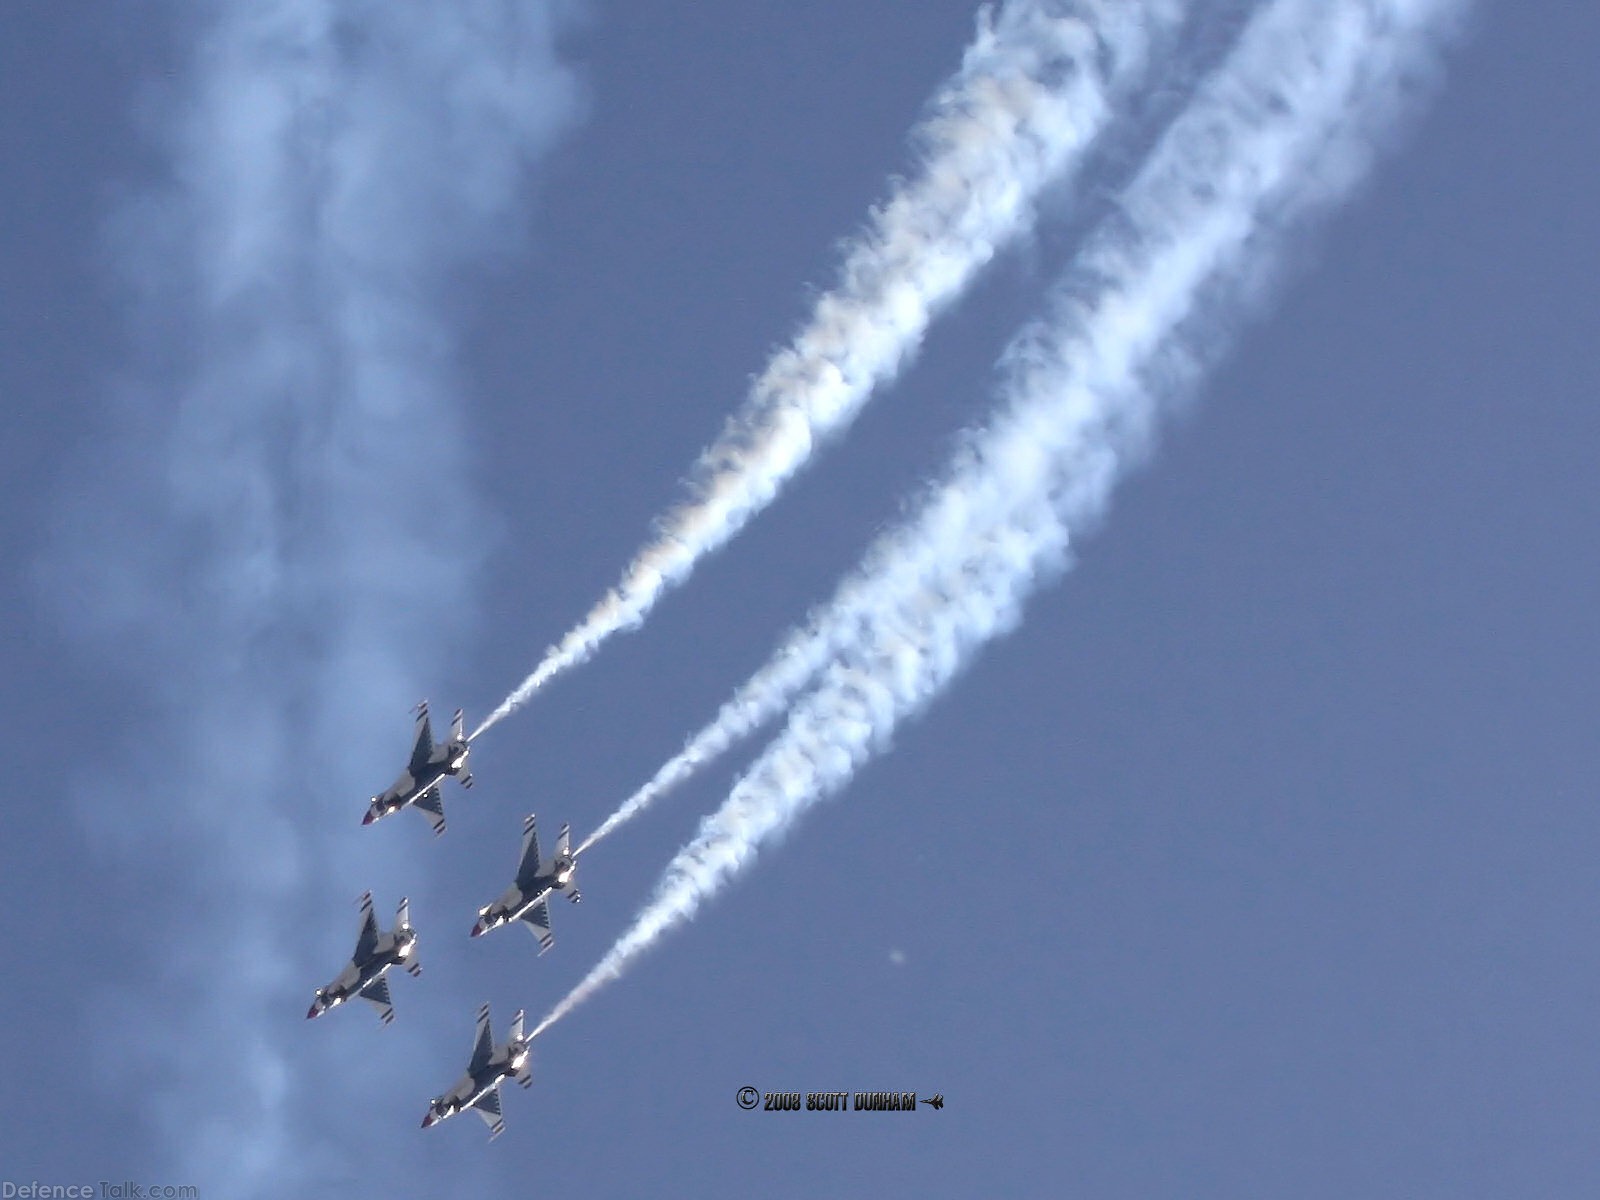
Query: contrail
{"points": [[1285, 127], [803, 654], [1034, 91]]}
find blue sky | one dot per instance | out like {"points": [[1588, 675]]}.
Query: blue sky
{"points": [[1257, 861]]}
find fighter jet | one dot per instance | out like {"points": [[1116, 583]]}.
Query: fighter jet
{"points": [[376, 952], [479, 1088], [537, 879], [418, 784]]}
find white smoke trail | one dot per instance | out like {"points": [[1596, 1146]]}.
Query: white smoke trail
{"points": [[1284, 127], [797, 660], [325, 167], [1034, 91]]}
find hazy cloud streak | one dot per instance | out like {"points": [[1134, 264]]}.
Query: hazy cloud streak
{"points": [[244, 549]]}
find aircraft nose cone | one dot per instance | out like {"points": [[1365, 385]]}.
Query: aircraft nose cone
{"points": [[427, 1120], [367, 818], [312, 1012], [477, 928]]}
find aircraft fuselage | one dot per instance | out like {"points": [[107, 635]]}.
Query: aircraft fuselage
{"points": [[449, 762], [473, 1087], [391, 951], [519, 900]]}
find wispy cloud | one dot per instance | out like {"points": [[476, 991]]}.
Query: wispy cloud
{"points": [[283, 459]]}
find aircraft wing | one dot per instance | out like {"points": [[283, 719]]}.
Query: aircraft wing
{"points": [[537, 920], [367, 939], [483, 1044], [422, 752], [528, 868], [488, 1107], [431, 805], [377, 994]]}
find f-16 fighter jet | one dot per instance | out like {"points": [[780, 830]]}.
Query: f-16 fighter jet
{"points": [[537, 880], [418, 784], [479, 1088], [376, 952]]}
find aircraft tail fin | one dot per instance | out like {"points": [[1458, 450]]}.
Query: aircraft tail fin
{"points": [[458, 738], [564, 850], [402, 923]]}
